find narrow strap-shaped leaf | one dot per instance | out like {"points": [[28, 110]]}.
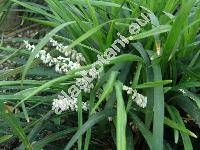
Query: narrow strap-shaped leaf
{"points": [[158, 118], [121, 118], [80, 119], [153, 84]]}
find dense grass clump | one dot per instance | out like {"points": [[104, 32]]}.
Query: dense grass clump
{"points": [[90, 74]]}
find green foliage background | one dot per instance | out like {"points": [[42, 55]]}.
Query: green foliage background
{"points": [[171, 119]]}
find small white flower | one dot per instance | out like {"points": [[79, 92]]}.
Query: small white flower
{"points": [[110, 119], [59, 47], [62, 104], [182, 90], [57, 68], [37, 55], [59, 105], [29, 46], [69, 53], [93, 73], [65, 47], [129, 90], [62, 64], [125, 87], [84, 85], [139, 99]]}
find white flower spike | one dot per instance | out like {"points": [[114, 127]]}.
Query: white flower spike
{"points": [[139, 99]]}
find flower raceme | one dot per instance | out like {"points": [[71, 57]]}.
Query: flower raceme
{"points": [[62, 103], [73, 54], [139, 99], [72, 59]]}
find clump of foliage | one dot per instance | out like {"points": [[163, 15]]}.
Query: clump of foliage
{"points": [[161, 62]]}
